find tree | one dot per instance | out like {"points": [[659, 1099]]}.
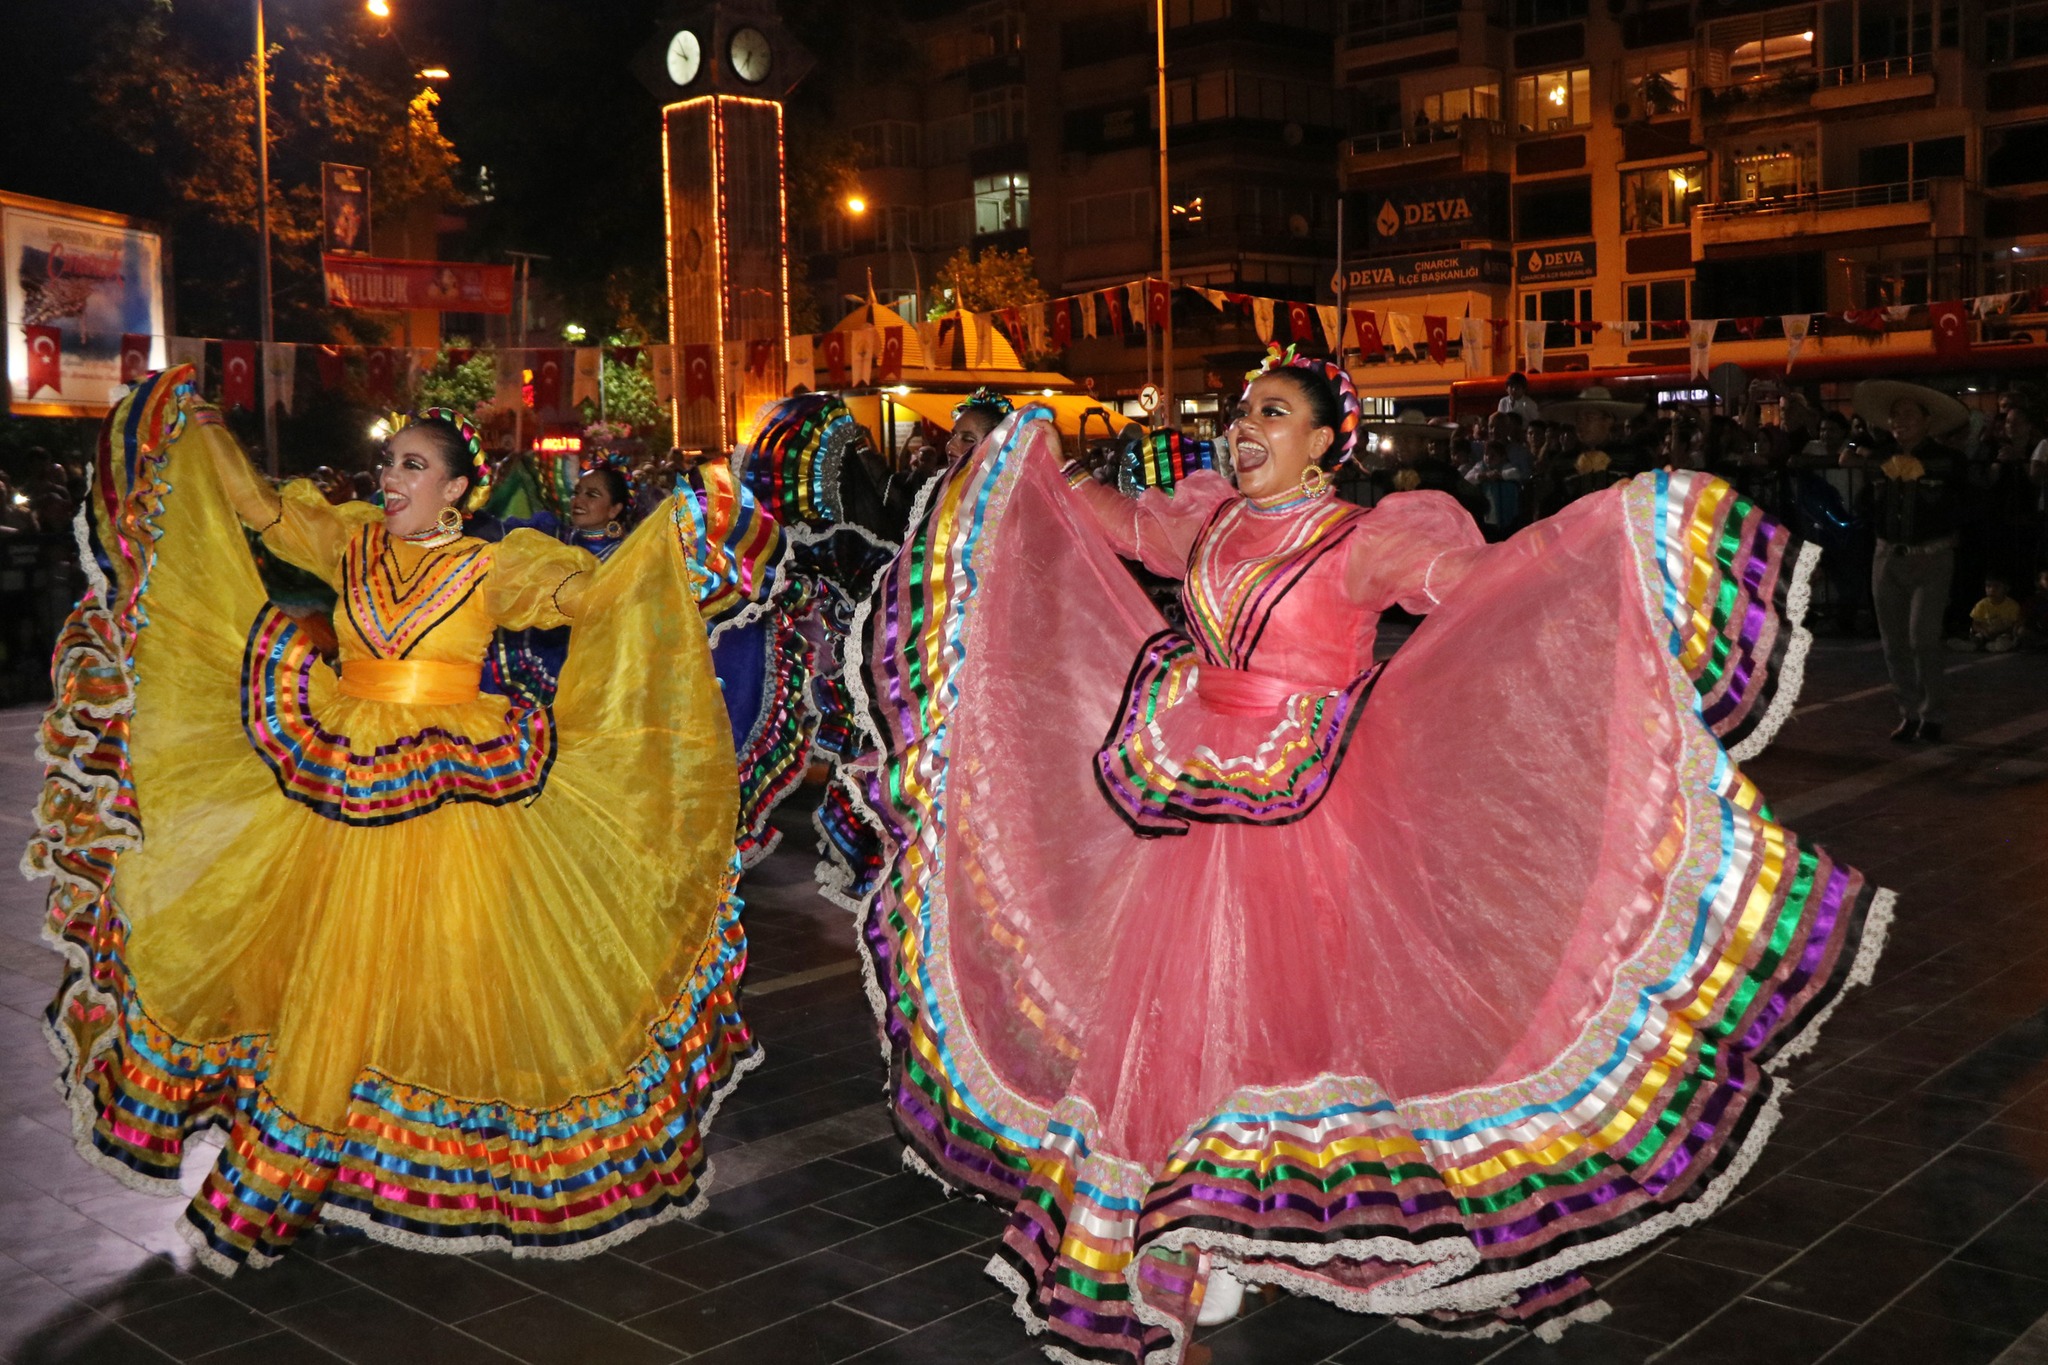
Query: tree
{"points": [[161, 85], [465, 387], [994, 279]]}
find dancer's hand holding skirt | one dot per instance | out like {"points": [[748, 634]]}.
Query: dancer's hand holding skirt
{"points": [[459, 972], [1416, 989]]}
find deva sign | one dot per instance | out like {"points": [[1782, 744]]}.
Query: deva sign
{"points": [[1432, 213], [1571, 261]]}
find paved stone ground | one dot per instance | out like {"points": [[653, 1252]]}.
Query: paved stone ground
{"points": [[1900, 1214]]}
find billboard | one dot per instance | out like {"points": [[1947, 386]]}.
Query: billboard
{"points": [[83, 293], [1428, 214], [432, 286], [344, 209], [1433, 272]]}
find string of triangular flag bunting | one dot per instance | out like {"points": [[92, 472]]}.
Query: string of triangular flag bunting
{"points": [[553, 378]]}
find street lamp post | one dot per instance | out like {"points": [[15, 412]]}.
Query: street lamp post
{"points": [[856, 205], [269, 330], [1165, 234]]}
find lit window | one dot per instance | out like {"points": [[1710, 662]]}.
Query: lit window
{"points": [[1555, 99], [1660, 198], [1002, 203]]}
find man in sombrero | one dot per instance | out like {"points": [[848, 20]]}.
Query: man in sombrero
{"points": [[1912, 506]]}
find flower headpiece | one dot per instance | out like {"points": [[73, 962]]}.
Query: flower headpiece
{"points": [[1340, 382], [479, 472], [986, 398]]}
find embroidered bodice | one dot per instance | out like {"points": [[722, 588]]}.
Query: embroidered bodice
{"points": [[1293, 591]]}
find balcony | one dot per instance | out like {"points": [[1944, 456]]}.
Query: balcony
{"points": [[1478, 145], [1937, 207], [1877, 82], [1797, 90], [1777, 95]]}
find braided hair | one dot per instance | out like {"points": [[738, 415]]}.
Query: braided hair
{"points": [[1327, 388]]}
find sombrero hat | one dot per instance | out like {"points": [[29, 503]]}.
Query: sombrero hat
{"points": [[1594, 399], [1874, 398], [1413, 423]]}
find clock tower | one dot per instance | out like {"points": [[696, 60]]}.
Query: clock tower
{"points": [[722, 69]]}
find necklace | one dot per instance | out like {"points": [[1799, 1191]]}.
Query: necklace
{"points": [[1283, 502], [434, 538]]}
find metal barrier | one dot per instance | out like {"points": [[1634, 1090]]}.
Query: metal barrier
{"points": [[1819, 201]]}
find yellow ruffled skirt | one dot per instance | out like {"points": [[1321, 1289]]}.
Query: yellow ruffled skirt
{"points": [[484, 1026]]}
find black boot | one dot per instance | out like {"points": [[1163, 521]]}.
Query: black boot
{"points": [[1908, 731]]}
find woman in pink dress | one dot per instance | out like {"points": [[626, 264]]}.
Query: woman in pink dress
{"points": [[1230, 955]]}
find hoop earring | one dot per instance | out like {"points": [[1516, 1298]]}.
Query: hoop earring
{"points": [[449, 522], [613, 530], [1316, 482]]}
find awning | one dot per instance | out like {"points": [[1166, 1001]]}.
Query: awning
{"points": [[1069, 411]]}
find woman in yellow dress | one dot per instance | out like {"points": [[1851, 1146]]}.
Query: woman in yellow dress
{"points": [[459, 972]]}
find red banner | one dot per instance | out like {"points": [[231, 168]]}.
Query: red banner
{"points": [[760, 355], [834, 347], [547, 380], [1367, 325], [626, 357], [1158, 303], [328, 360], [1013, 323], [700, 373], [1298, 328], [1499, 329], [892, 355], [1062, 325], [134, 357], [1865, 319], [238, 375], [380, 373], [1113, 299], [438, 286], [45, 361], [1950, 323], [1438, 331]]}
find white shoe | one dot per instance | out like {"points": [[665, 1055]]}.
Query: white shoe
{"points": [[1222, 1297]]}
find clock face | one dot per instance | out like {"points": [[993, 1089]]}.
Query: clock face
{"points": [[750, 55], [685, 56]]}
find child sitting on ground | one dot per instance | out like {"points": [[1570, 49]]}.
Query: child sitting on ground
{"points": [[1995, 621]]}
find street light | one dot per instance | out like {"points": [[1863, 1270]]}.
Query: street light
{"points": [[433, 73], [380, 8], [856, 205]]}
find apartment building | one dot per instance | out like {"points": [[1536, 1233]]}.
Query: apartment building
{"points": [[1034, 125], [1563, 161], [1631, 160]]}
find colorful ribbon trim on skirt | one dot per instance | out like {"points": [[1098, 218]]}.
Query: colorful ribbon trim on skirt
{"points": [[1159, 792], [417, 1167], [1334, 1182], [407, 778]]}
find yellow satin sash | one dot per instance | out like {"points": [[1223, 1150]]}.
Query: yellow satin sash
{"points": [[414, 682]]}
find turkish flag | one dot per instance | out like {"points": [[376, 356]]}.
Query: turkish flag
{"points": [[1114, 299], [45, 360], [1013, 323], [380, 372], [1243, 301], [1950, 323], [760, 354], [1158, 303], [891, 369], [328, 360], [1864, 319], [1747, 328], [458, 356], [628, 356], [134, 356], [835, 358], [1062, 325], [1498, 327], [1298, 322], [700, 380], [1585, 327], [1367, 325], [238, 375], [1438, 330], [547, 380]]}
